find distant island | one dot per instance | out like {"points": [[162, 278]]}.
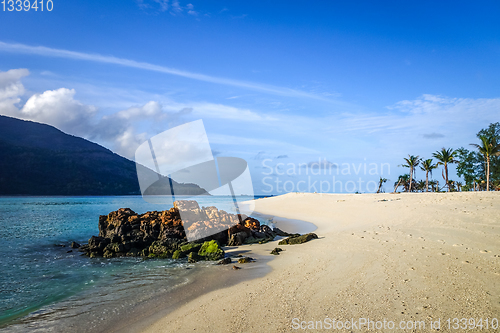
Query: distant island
{"points": [[39, 159]]}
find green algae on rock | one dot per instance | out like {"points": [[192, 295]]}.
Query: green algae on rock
{"points": [[211, 250], [298, 239]]}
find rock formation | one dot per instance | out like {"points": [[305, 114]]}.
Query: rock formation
{"points": [[298, 239], [162, 234]]}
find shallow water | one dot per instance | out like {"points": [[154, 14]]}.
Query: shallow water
{"points": [[43, 281]]}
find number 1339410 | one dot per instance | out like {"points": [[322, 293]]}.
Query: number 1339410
{"points": [[26, 5]]}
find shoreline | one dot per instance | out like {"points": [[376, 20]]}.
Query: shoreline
{"points": [[132, 313], [416, 256], [220, 277], [207, 279]]}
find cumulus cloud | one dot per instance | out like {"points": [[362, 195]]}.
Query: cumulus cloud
{"points": [[60, 109], [151, 109], [11, 89], [122, 128], [10, 84], [121, 131], [55, 107]]}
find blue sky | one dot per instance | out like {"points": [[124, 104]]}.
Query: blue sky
{"points": [[346, 82]]}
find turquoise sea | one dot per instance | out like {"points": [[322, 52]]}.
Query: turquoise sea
{"points": [[43, 280]]}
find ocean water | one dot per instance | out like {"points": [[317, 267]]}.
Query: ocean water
{"points": [[43, 280]]}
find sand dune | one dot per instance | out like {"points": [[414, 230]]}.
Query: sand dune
{"points": [[398, 257]]}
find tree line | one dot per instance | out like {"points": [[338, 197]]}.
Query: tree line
{"points": [[479, 168]]}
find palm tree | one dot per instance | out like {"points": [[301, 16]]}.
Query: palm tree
{"points": [[452, 185], [433, 185], [421, 185], [445, 157], [427, 166], [403, 180], [380, 183], [489, 147], [411, 162]]}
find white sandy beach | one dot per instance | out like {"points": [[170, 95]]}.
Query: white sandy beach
{"points": [[398, 257]]}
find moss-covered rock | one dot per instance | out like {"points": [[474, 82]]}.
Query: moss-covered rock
{"points": [[194, 257], [166, 254], [225, 261], [115, 247], [245, 260], [190, 247], [276, 251], [298, 239], [178, 254], [211, 250], [133, 252], [157, 247], [94, 255]]}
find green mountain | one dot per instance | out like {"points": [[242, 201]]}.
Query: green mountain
{"points": [[38, 159]]}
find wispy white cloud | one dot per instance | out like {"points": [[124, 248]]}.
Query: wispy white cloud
{"points": [[448, 112], [176, 8], [163, 4], [60, 53], [122, 131], [258, 143], [220, 111]]}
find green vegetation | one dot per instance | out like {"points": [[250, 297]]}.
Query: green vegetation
{"points": [[446, 157], [488, 148], [479, 168], [380, 184], [411, 162], [211, 250], [427, 166]]}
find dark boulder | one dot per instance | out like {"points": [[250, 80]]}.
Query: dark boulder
{"points": [[165, 234], [225, 261], [276, 251], [75, 245], [245, 260], [298, 239], [237, 239]]}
